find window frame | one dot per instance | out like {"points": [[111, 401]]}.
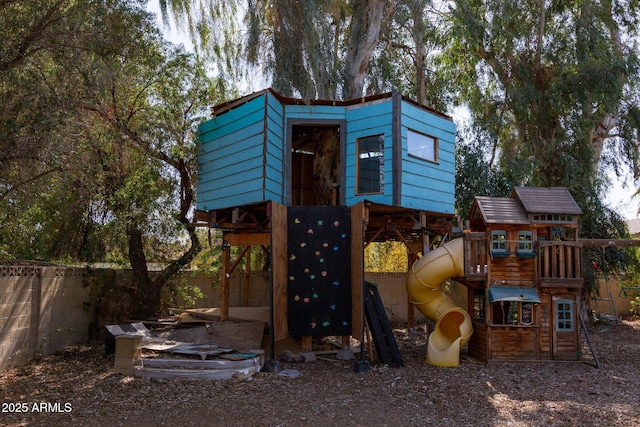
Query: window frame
{"points": [[362, 191], [418, 152], [499, 247], [525, 246], [514, 310], [479, 305], [561, 315]]}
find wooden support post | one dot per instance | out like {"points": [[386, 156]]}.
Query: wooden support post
{"points": [[247, 277], [426, 244], [224, 292], [307, 344], [345, 342]]}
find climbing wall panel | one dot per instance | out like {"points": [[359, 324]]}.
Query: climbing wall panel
{"points": [[319, 270]]}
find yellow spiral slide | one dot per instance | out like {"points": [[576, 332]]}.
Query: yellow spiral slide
{"points": [[453, 324]]}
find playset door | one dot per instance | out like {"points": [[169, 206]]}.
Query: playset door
{"points": [[315, 166], [565, 328]]}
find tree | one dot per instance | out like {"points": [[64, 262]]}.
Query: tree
{"points": [[476, 176], [551, 80], [551, 84], [313, 49], [107, 119]]}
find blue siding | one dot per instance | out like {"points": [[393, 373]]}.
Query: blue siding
{"points": [[427, 185], [243, 153], [275, 154], [369, 120], [231, 157], [315, 112]]}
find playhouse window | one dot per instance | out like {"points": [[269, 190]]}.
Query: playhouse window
{"points": [[370, 164], [564, 315], [525, 242], [478, 305], [498, 242], [557, 218], [422, 146], [513, 313]]}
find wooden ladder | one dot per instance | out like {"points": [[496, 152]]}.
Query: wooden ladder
{"points": [[381, 331]]}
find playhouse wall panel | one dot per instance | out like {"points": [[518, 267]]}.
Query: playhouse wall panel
{"points": [[369, 120], [232, 157], [315, 112], [274, 151], [428, 185]]}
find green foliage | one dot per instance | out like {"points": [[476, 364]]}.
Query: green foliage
{"points": [[475, 176], [635, 307], [386, 257], [180, 294], [548, 84]]}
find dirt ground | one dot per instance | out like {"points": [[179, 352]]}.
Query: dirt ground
{"points": [[79, 387]]}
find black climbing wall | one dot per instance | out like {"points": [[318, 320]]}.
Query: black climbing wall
{"points": [[319, 270]]}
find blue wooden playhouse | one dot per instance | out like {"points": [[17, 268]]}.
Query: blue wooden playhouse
{"points": [[387, 159], [391, 151]]}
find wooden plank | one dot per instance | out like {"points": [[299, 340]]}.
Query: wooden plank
{"points": [[279, 270], [357, 267], [307, 344], [206, 374], [618, 243], [224, 284], [246, 239]]}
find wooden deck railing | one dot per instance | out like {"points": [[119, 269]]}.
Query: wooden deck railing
{"points": [[560, 262], [475, 255]]}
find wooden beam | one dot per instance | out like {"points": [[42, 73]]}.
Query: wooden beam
{"points": [[237, 261], [279, 268], [224, 291], [612, 243], [245, 239], [357, 268], [247, 278]]}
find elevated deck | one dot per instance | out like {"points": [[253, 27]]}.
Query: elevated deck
{"points": [[557, 263]]}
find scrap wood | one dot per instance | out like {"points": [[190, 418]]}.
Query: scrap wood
{"points": [[235, 313], [205, 374]]}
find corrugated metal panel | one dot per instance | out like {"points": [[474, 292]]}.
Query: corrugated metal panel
{"points": [[498, 210], [555, 200]]}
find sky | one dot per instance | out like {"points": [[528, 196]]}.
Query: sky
{"points": [[619, 198]]}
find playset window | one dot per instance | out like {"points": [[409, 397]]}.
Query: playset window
{"points": [[513, 306], [499, 242], [513, 313], [370, 165], [564, 315], [553, 218], [478, 305], [525, 243], [422, 146]]}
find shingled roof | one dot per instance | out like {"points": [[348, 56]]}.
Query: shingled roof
{"points": [[498, 210], [524, 201], [554, 200]]}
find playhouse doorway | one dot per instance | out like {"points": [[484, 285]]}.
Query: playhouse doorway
{"points": [[316, 159], [565, 329]]}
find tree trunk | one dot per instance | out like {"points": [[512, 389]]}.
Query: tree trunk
{"points": [[148, 291], [325, 164], [363, 39]]}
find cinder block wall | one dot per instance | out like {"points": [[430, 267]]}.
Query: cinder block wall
{"points": [[41, 311]]}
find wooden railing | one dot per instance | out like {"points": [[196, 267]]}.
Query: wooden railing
{"points": [[475, 255], [560, 263]]}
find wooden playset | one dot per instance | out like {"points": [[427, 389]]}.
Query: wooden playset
{"points": [[314, 182], [523, 269]]}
